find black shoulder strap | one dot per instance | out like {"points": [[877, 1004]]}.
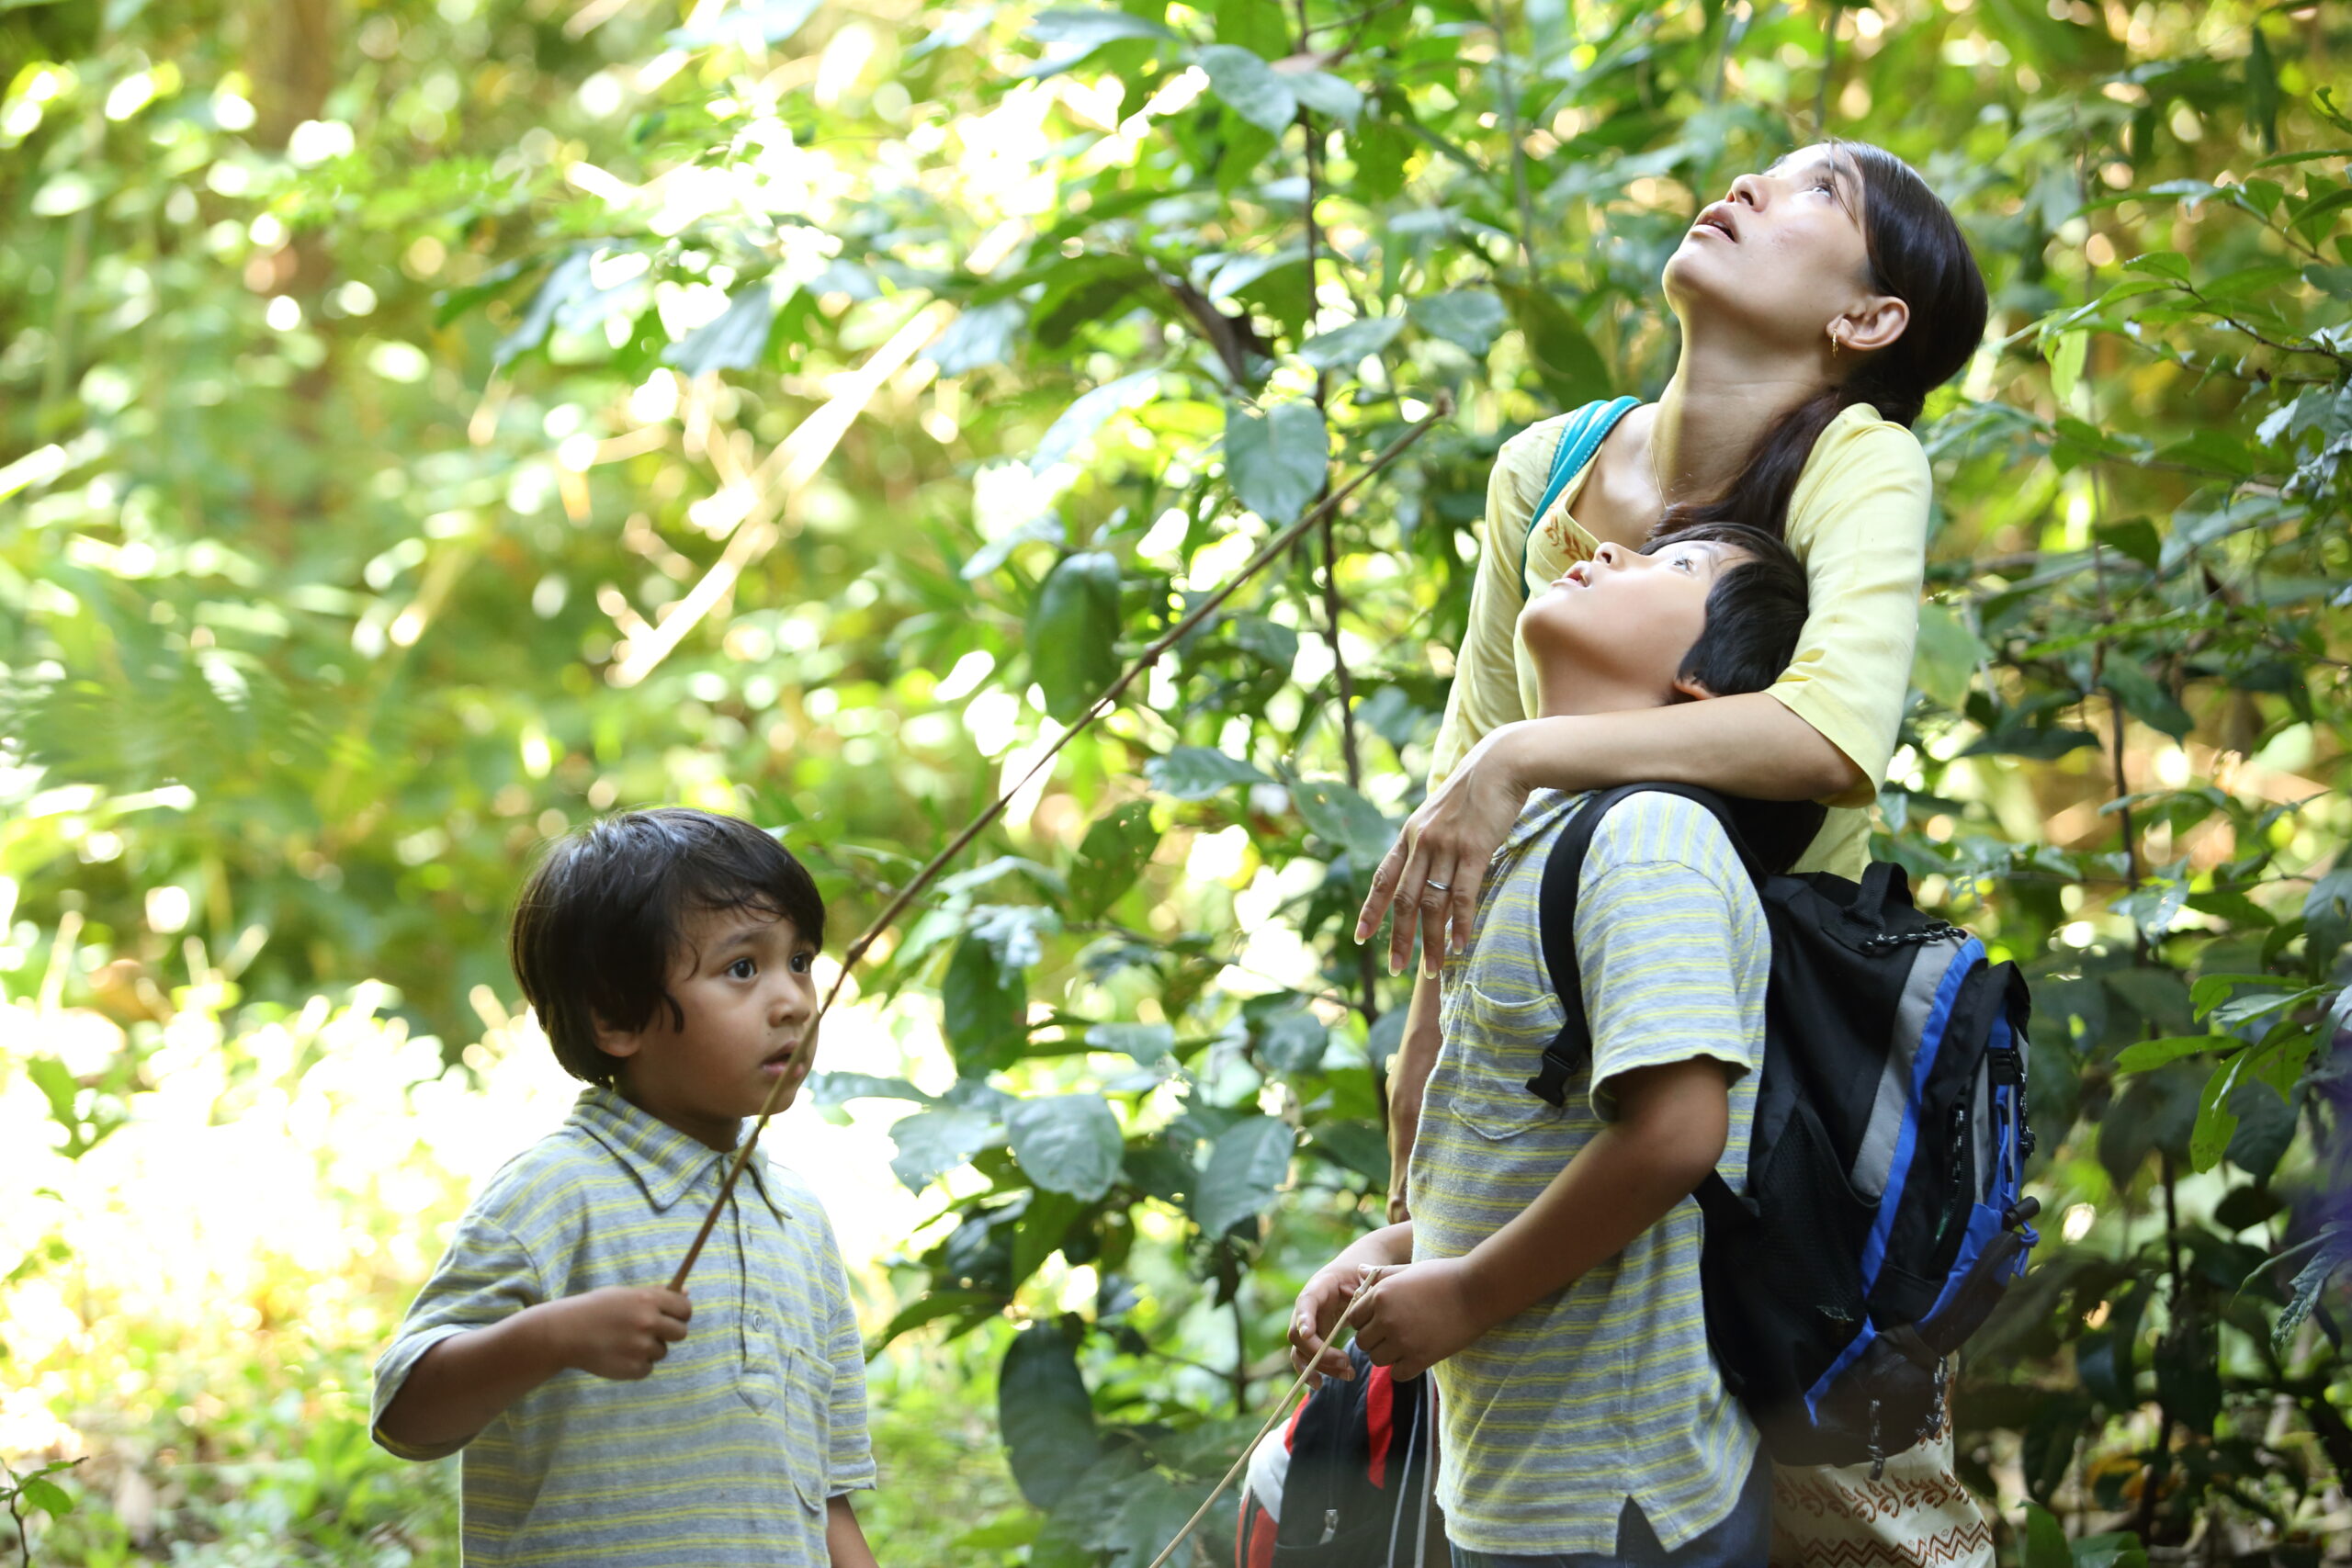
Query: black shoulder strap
{"points": [[1571, 1049]]}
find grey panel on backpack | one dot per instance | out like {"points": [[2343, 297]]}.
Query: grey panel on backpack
{"points": [[1981, 1129], [1873, 1160]]}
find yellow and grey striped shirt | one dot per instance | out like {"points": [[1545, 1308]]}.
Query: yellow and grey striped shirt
{"points": [[1606, 1390], [728, 1453]]}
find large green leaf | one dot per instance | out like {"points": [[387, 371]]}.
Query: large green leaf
{"points": [[1276, 460], [1073, 628], [1045, 1414], [1112, 855], [1198, 773], [1067, 1142], [932, 1143], [1249, 87], [1470, 319], [1247, 1164], [984, 1008]]}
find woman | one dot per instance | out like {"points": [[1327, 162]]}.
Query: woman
{"points": [[1820, 303]]}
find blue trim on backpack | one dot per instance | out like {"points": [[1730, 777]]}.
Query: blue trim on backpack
{"points": [[1931, 1037], [1846, 1358], [1581, 437]]}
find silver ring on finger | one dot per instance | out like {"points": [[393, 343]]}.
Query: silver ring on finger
{"points": [[1441, 887]]}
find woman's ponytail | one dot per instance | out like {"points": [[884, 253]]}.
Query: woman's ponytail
{"points": [[1918, 255]]}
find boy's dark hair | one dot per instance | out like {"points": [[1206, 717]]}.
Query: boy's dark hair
{"points": [[1755, 612], [601, 920]]}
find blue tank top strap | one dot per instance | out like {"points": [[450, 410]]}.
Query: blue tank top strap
{"points": [[1581, 437]]}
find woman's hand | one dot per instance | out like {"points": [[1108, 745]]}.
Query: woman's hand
{"points": [[1432, 875], [1418, 1313]]}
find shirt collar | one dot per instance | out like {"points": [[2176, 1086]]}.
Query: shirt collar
{"points": [[665, 1162]]}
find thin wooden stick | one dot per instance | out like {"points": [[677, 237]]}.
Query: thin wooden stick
{"points": [[1101, 705], [1280, 1411]]}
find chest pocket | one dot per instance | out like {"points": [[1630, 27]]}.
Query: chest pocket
{"points": [[781, 1375], [1497, 1046]]}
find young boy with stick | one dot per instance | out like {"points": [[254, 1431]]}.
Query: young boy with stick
{"points": [[603, 1418], [1550, 1271]]}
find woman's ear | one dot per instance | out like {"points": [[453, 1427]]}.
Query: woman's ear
{"points": [[1874, 322], [1690, 689]]}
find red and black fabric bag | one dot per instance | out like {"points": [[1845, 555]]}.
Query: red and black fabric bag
{"points": [[1353, 1465]]}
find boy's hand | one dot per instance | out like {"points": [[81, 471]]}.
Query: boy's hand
{"points": [[1317, 1317], [617, 1332], [1417, 1314]]}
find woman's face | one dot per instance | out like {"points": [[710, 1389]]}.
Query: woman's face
{"points": [[1781, 257]]}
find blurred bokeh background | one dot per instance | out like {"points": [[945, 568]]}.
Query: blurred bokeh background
{"points": [[426, 426]]}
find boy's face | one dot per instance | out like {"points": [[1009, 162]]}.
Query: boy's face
{"points": [[1618, 626], [750, 999]]}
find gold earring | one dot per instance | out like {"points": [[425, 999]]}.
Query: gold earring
{"points": [[1836, 342]]}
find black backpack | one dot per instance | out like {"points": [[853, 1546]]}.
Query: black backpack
{"points": [[1357, 1483], [1882, 1220]]}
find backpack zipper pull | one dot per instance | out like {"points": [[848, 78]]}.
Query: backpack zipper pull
{"points": [[1330, 1526]]}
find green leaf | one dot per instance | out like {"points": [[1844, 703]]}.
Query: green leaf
{"points": [[1247, 1164], [1470, 319], [986, 1010], [2216, 1121], [2169, 265], [981, 336], [1343, 348], [567, 281], [48, 1496], [932, 1305], [1066, 1143], [2066, 356], [736, 340], [838, 1089], [1275, 644], [1038, 1234], [1561, 352], [1079, 421], [1276, 461], [2045, 1540], [1146, 1043], [2146, 1056], [932, 1143], [1198, 773], [2118, 1549], [1249, 87], [2266, 1127], [2136, 538], [1294, 1040], [1081, 25], [1358, 1146], [1944, 662], [1344, 820], [1326, 93], [1045, 1414], [1073, 632], [2144, 699], [1110, 858]]}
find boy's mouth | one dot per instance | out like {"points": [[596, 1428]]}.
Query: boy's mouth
{"points": [[780, 1058]]}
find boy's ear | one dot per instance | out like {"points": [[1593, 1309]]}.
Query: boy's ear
{"points": [[1690, 689], [617, 1043]]}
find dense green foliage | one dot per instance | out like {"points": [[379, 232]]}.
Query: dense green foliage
{"points": [[428, 425]]}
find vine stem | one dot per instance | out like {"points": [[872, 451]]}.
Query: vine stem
{"points": [[1275, 549]]}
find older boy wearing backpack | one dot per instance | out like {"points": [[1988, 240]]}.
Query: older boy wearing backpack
{"points": [[1550, 1271]]}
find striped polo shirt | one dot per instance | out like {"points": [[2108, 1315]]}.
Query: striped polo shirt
{"points": [[728, 1453], [1606, 1390]]}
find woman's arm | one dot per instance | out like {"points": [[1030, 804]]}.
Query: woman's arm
{"points": [[1409, 1077], [1749, 744]]}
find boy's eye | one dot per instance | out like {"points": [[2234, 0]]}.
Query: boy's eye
{"points": [[803, 962], [743, 968]]}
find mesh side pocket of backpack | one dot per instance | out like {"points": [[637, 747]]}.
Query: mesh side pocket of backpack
{"points": [[1808, 1242]]}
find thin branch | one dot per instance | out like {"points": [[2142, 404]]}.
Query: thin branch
{"points": [[1506, 97], [1274, 550]]}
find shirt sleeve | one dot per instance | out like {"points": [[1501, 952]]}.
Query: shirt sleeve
{"points": [[485, 1277], [1662, 948], [1485, 695], [849, 1460], [1861, 525]]}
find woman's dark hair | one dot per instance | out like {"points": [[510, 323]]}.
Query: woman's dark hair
{"points": [[601, 920], [1918, 255], [1756, 613]]}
